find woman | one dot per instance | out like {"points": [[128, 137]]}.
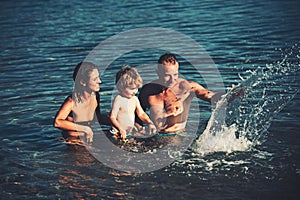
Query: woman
{"points": [[79, 109]]}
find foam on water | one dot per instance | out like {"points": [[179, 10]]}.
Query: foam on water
{"points": [[224, 141], [241, 124]]}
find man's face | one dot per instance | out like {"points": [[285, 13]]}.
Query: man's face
{"points": [[168, 74]]}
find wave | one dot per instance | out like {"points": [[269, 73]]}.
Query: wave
{"points": [[242, 117]]}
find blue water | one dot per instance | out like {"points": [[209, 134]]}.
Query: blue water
{"points": [[42, 41]]}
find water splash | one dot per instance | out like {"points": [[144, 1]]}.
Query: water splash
{"points": [[242, 123]]}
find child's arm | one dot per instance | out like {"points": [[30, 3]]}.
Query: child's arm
{"points": [[144, 117], [113, 117]]}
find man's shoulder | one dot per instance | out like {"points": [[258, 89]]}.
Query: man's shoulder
{"points": [[147, 90], [183, 81], [152, 88], [185, 84]]}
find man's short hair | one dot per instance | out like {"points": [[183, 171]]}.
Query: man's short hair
{"points": [[167, 58]]}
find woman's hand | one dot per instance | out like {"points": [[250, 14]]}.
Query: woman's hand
{"points": [[89, 134]]}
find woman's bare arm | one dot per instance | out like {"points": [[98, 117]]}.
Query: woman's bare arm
{"points": [[61, 120]]}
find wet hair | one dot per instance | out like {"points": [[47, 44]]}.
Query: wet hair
{"points": [[128, 77], [82, 74], [167, 58]]}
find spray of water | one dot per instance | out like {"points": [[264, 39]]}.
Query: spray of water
{"points": [[242, 123]]}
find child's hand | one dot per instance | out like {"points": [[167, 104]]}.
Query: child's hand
{"points": [[123, 134]]}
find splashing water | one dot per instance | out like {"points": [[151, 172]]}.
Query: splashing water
{"points": [[242, 123]]}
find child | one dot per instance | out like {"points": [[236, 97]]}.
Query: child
{"points": [[126, 103]]}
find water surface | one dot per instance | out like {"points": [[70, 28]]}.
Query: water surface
{"points": [[40, 44]]}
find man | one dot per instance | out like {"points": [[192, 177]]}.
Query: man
{"points": [[169, 97]]}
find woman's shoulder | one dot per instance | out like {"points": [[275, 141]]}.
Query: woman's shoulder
{"points": [[69, 99]]}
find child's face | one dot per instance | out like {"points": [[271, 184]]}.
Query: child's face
{"points": [[129, 92]]}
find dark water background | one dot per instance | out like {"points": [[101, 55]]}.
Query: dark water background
{"points": [[42, 41]]}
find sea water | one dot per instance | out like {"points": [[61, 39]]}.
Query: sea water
{"points": [[242, 123], [252, 153]]}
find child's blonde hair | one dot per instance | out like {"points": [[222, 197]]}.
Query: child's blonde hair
{"points": [[128, 77]]}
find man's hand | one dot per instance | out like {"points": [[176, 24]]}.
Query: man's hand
{"points": [[240, 92], [174, 109], [173, 106], [152, 128]]}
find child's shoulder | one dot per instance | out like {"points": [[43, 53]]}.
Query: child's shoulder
{"points": [[118, 97], [134, 100], [121, 98]]}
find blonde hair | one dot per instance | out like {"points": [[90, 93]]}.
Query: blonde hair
{"points": [[128, 77]]}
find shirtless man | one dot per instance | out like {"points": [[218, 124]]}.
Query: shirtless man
{"points": [[169, 97]]}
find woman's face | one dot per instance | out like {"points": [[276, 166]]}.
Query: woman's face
{"points": [[94, 81]]}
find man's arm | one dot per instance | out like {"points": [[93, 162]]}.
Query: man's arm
{"points": [[157, 111], [150, 89], [201, 92], [206, 95]]}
